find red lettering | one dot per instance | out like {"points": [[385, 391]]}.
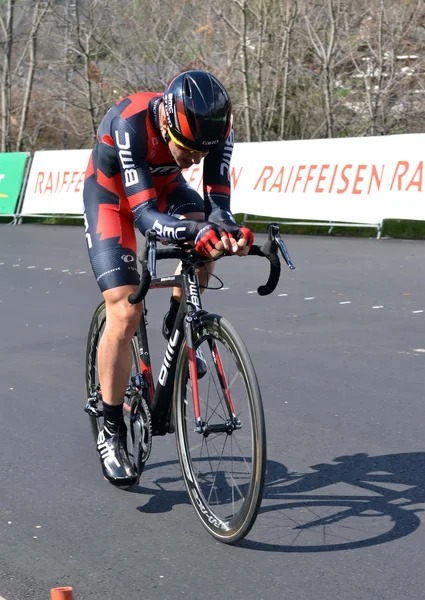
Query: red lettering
{"points": [[374, 176], [333, 178], [417, 183], [193, 175], [289, 180], [345, 179], [40, 179], [309, 177], [322, 177], [64, 179], [298, 178], [235, 178], [358, 179], [57, 181], [49, 184], [265, 177], [72, 180], [278, 181], [405, 165], [80, 180]]}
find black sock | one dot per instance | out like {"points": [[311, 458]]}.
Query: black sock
{"points": [[174, 306], [171, 315], [113, 415]]}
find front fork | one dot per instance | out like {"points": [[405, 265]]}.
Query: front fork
{"points": [[202, 427]]}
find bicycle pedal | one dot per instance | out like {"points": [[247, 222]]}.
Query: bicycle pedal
{"points": [[92, 410]]}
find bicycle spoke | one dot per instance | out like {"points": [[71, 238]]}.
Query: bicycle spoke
{"points": [[223, 462]]}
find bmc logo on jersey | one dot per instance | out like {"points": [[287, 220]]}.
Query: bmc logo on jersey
{"points": [[126, 158], [227, 155], [169, 232]]}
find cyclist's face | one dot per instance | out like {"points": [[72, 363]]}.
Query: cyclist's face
{"points": [[185, 158]]}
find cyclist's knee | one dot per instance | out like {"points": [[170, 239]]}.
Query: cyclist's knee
{"points": [[121, 316]]}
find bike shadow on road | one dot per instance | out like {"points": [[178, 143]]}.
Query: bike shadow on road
{"points": [[354, 501]]}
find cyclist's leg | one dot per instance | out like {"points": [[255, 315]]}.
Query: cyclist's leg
{"points": [[182, 201], [112, 250]]}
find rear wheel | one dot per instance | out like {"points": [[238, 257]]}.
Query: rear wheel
{"points": [[136, 411], [222, 455]]}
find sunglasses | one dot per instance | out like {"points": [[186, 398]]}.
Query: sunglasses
{"points": [[183, 147]]}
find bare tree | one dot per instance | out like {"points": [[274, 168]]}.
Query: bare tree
{"points": [[6, 23]]}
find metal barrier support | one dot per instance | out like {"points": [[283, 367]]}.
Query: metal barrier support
{"points": [[330, 224]]}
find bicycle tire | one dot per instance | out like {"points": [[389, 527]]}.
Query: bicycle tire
{"points": [[203, 489], [137, 417]]}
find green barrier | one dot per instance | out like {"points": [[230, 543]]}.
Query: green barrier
{"points": [[12, 169]]}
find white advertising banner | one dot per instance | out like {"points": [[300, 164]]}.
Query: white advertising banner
{"points": [[55, 183], [354, 180]]}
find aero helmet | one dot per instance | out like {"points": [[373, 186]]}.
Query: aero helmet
{"points": [[198, 111]]}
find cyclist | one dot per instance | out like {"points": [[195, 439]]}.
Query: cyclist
{"points": [[134, 176]]}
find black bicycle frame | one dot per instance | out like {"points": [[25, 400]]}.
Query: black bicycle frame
{"points": [[160, 398]]}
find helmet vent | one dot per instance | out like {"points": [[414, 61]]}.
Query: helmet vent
{"points": [[187, 88]]}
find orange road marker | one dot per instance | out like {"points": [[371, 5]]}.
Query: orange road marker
{"points": [[62, 593]]}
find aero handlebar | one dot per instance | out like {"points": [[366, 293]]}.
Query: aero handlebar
{"points": [[149, 254]]}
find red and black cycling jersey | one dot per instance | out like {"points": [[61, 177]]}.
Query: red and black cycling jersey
{"points": [[131, 165]]}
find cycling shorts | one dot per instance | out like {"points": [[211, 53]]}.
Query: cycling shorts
{"points": [[110, 232]]}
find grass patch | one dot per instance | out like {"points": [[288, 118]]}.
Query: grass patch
{"points": [[393, 228]]}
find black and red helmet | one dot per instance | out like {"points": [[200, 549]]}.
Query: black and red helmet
{"points": [[198, 111]]}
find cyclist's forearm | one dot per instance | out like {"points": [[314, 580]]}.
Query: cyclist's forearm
{"points": [[220, 216], [146, 216]]}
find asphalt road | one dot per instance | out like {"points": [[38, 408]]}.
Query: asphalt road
{"points": [[339, 350]]}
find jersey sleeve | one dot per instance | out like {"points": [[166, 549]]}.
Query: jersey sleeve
{"points": [[139, 188], [217, 182]]}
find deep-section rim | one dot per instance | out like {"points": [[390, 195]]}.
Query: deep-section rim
{"points": [[213, 324]]}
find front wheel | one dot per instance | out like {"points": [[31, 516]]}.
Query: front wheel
{"points": [[222, 453]]}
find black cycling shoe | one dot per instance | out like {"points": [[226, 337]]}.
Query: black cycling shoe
{"points": [[112, 449]]}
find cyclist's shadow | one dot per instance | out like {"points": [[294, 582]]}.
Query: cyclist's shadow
{"points": [[359, 501]]}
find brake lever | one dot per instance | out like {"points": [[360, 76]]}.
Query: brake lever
{"points": [[274, 237], [151, 242]]}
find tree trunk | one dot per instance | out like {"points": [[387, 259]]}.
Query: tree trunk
{"points": [[6, 83], [37, 19]]}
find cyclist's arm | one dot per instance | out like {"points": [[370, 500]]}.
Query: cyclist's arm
{"points": [[139, 187], [217, 199], [217, 183]]}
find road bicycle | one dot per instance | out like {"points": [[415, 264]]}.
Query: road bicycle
{"points": [[218, 418]]}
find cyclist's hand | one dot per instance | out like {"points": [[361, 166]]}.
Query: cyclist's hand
{"points": [[208, 242], [239, 240]]}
